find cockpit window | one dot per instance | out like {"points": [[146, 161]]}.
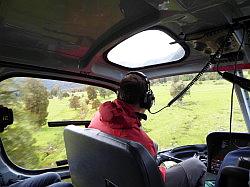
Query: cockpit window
{"points": [[29, 142], [205, 108], [146, 48]]}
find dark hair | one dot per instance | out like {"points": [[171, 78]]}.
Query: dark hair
{"points": [[133, 88]]}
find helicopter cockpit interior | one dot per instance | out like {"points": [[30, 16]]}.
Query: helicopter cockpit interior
{"points": [[59, 60]]}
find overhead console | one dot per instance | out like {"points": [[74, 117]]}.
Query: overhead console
{"points": [[221, 143], [223, 43]]}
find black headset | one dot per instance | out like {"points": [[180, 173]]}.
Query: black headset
{"points": [[148, 97]]}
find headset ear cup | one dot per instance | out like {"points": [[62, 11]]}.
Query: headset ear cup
{"points": [[144, 103], [151, 99], [148, 100]]}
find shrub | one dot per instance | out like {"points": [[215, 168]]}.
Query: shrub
{"points": [[176, 88], [96, 103], [74, 102]]}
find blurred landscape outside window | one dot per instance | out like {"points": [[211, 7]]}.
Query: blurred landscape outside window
{"points": [[31, 144]]}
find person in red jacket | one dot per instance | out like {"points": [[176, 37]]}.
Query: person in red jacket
{"points": [[122, 118]]}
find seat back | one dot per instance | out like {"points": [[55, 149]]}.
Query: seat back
{"points": [[97, 159], [232, 176], [231, 170]]}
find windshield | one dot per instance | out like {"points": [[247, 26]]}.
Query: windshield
{"points": [[30, 143], [203, 109]]}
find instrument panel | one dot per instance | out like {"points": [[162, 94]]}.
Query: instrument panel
{"points": [[221, 143], [212, 154]]}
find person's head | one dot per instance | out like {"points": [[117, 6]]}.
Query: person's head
{"points": [[135, 89]]}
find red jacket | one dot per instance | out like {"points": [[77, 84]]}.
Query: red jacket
{"points": [[119, 119]]}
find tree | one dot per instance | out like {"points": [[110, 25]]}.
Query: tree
{"points": [[65, 94], [36, 100], [74, 102], [83, 112], [55, 91], [176, 78], [91, 92], [102, 92], [187, 77], [96, 103], [162, 80], [213, 76], [105, 92], [86, 101], [176, 88], [60, 96]]}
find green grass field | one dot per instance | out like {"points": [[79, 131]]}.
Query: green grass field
{"points": [[205, 110]]}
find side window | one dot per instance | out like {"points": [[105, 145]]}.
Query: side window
{"points": [[29, 142], [203, 109]]}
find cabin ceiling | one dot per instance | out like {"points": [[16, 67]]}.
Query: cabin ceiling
{"points": [[73, 35]]}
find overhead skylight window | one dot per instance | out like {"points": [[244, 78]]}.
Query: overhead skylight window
{"points": [[146, 48]]}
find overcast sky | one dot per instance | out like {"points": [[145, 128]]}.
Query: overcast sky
{"points": [[145, 48]]}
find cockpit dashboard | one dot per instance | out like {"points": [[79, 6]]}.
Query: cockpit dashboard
{"points": [[219, 144], [212, 154]]}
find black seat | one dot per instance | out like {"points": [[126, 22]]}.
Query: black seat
{"points": [[233, 176], [97, 159], [234, 170]]}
